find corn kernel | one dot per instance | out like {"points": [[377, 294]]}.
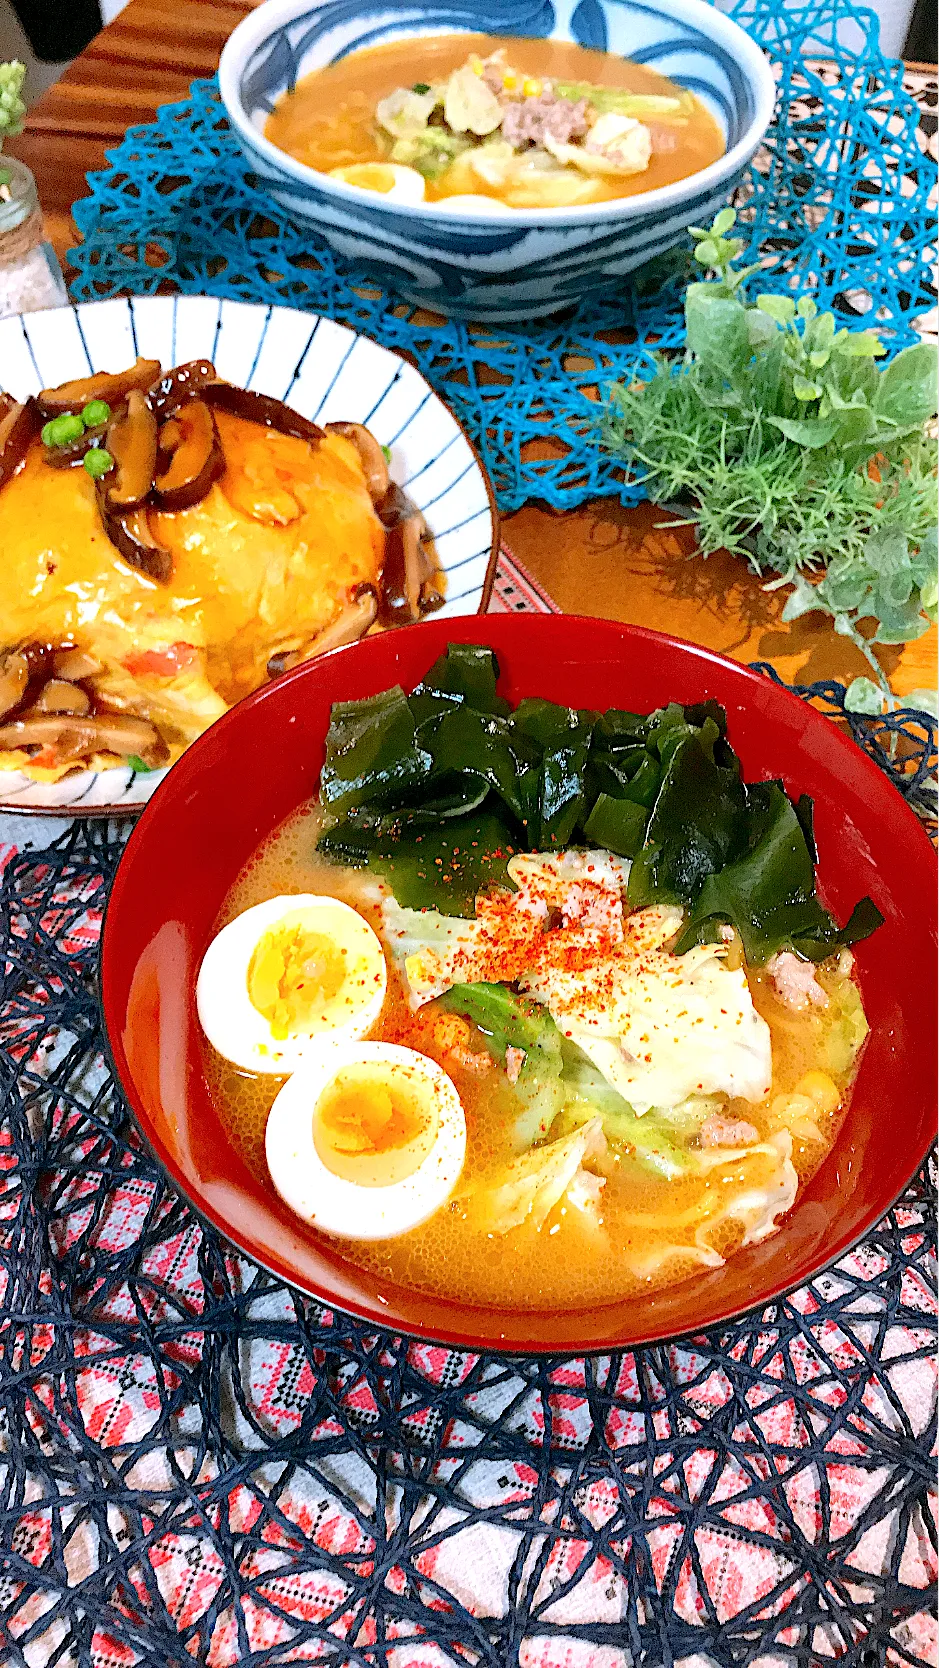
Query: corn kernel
{"points": [[531, 86], [509, 80], [476, 64], [821, 1091]]}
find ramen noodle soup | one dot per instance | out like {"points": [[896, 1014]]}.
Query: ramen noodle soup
{"points": [[506, 1073], [472, 122]]}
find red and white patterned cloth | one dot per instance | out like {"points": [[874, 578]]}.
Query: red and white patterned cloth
{"points": [[515, 591]]}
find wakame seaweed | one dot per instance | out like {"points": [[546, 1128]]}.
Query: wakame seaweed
{"points": [[437, 790]]}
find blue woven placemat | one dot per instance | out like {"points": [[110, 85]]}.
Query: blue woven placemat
{"points": [[198, 1465], [837, 198]]}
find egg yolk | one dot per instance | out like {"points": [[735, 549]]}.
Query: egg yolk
{"points": [[293, 976], [374, 1127], [371, 176]]}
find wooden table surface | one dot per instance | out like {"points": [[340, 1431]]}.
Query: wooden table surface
{"points": [[600, 559]]}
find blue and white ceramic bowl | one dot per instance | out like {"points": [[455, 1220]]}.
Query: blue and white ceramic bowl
{"points": [[324, 371], [495, 268]]}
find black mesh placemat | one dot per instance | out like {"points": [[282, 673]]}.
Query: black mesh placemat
{"points": [[198, 1465]]}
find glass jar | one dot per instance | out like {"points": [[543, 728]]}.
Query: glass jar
{"points": [[30, 275]]}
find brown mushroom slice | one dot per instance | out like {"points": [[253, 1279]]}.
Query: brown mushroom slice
{"points": [[18, 425], [433, 594], [371, 457], [38, 657], [429, 563], [14, 676], [261, 408], [132, 443], [132, 537], [60, 696], [432, 597], [395, 506], [75, 664], [67, 736], [117, 732], [73, 452], [196, 458], [403, 575], [112, 386], [397, 511], [351, 623], [168, 438], [70, 737], [182, 383]]}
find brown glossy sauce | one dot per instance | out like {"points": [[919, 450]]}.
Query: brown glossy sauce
{"points": [[328, 121]]}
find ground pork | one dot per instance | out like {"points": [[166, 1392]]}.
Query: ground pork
{"points": [[795, 982], [717, 1131], [663, 139], [529, 121], [514, 1061]]}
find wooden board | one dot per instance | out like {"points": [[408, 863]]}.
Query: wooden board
{"points": [[642, 566]]}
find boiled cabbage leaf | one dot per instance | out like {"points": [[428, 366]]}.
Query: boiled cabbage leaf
{"points": [[754, 1209], [643, 107], [470, 105], [405, 113], [431, 152], [537, 1181], [508, 1020], [557, 1087]]}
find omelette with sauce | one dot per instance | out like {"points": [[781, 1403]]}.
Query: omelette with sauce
{"points": [[275, 552]]}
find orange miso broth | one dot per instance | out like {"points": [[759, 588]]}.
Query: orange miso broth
{"points": [[332, 121], [647, 1230]]}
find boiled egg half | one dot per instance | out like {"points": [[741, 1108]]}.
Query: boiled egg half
{"points": [[287, 975], [389, 179], [474, 204], [366, 1140]]}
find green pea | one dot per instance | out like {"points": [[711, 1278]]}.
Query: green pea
{"points": [[95, 412], [63, 429], [98, 462]]}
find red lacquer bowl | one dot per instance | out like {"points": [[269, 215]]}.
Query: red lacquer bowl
{"points": [[262, 760]]}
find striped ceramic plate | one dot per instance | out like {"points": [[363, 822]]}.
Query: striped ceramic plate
{"points": [[323, 370]]}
